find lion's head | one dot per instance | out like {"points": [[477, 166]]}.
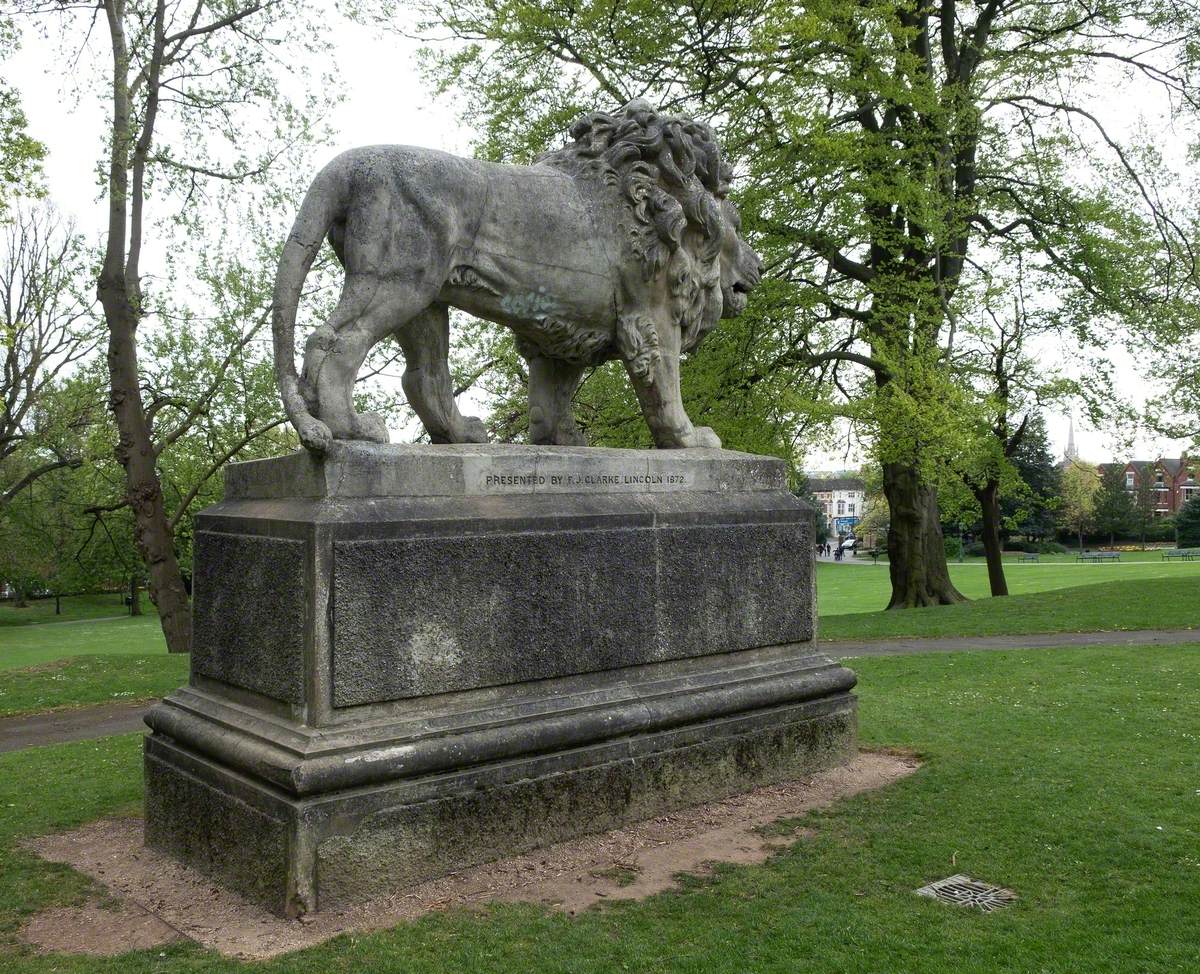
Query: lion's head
{"points": [[741, 267], [668, 171]]}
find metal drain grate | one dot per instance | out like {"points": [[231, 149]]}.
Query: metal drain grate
{"points": [[965, 891]]}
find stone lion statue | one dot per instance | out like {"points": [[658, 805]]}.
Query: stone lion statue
{"points": [[621, 245]]}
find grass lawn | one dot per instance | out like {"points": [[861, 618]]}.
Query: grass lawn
{"points": [[1150, 603], [82, 680], [846, 588], [45, 667], [73, 607], [22, 646], [1070, 776]]}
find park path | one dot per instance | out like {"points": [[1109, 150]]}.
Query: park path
{"points": [[849, 649], [78, 724], [87, 723]]}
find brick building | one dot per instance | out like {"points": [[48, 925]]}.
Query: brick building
{"points": [[1173, 482]]}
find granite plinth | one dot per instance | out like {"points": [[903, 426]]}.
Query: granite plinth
{"points": [[409, 659]]}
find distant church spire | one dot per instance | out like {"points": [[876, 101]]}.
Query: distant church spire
{"points": [[1071, 453]]}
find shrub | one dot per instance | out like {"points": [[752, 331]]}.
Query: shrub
{"points": [[1187, 524], [1050, 548], [1161, 529], [975, 550], [953, 545]]}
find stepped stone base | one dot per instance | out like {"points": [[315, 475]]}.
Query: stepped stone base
{"points": [[408, 660]]}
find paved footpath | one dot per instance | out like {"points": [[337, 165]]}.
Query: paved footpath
{"points": [[847, 649], [79, 724], [87, 723]]}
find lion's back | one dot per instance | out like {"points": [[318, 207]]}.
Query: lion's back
{"points": [[405, 204]]}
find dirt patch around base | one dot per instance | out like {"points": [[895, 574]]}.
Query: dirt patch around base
{"points": [[98, 930], [160, 900]]}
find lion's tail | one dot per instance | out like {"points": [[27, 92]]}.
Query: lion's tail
{"points": [[323, 203]]}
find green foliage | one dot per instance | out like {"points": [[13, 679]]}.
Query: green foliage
{"points": [[21, 155], [1187, 524], [908, 176], [1145, 521], [1161, 529], [1036, 547], [1113, 511], [1033, 511], [1080, 483]]}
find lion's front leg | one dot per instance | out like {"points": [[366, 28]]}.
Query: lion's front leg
{"points": [[552, 386], [650, 350]]}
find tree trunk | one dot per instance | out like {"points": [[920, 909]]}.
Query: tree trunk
{"points": [[989, 502], [135, 596], [57, 604], [120, 292], [22, 602], [135, 452], [916, 550]]}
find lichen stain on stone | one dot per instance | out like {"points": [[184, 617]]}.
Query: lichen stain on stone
{"points": [[531, 305], [434, 650]]}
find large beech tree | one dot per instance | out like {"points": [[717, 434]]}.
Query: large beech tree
{"points": [[890, 153]]}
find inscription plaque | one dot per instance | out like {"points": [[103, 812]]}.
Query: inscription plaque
{"points": [[576, 482]]}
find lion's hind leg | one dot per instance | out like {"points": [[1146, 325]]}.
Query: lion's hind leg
{"points": [[366, 314], [425, 340]]}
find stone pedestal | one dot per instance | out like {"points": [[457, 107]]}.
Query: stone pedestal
{"points": [[409, 659]]}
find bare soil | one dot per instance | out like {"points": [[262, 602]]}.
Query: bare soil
{"points": [[159, 900], [98, 929]]}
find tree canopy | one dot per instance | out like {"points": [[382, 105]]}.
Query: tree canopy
{"points": [[897, 163]]}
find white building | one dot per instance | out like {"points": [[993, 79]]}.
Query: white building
{"points": [[843, 501]]}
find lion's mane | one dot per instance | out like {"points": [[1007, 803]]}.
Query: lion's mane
{"points": [[668, 171]]}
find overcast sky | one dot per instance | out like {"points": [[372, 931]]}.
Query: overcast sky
{"points": [[385, 102]]}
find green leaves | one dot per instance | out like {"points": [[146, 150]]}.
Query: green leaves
{"points": [[891, 172], [21, 155]]}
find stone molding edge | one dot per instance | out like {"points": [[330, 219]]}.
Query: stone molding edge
{"points": [[423, 470], [269, 753]]}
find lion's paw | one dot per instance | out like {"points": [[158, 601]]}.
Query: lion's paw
{"points": [[705, 439], [574, 437], [371, 427], [472, 430]]}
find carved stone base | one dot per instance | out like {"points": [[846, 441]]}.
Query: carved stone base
{"points": [[408, 660]]}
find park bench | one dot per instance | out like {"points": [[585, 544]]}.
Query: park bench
{"points": [[1027, 557], [1187, 554], [1099, 556]]}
